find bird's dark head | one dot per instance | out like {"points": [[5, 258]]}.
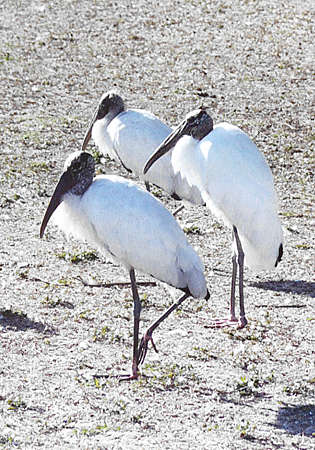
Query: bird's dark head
{"points": [[197, 124], [109, 102], [109, 106], [80, 167], [77, 177]]}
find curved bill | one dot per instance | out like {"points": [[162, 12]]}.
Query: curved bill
{"points": [[88, 133], [167, 144], [64, 185]]}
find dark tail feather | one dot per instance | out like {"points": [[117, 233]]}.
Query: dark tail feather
{"points": [[279, 254], [187, 291]]}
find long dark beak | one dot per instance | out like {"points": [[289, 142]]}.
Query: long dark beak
{"points": [[167, 144], [88, 133], [64, 185]]}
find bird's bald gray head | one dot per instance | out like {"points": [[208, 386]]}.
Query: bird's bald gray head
{"points": [[199, 123], [81, 168], [110, 102], [109, 106], [77, 177]]}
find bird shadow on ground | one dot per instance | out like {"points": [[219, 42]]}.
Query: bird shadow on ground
{"points": [[297, 419], [299, 287], [18, 321]]}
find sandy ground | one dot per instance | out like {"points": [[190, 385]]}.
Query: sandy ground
{"points": [[251, 63]]}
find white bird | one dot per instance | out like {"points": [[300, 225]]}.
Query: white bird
{"points": [[236, 184], [130, 137], [133, 227]]}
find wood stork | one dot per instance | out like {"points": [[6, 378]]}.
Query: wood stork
{"points": [[132, 226], [237, 185], [130, 137]]}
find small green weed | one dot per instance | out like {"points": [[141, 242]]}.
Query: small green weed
{"points": [[202, 354], [97, 156], [193, 229], [51, 302], [84, 315], [101, 335], [77, 258], [244, 428], [38, 166], [14, 405], [303, 246], [93, 431], [157, 193]]}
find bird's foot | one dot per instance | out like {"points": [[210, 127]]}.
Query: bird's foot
{"points": [[228, 322], [128, 377], [134, 375], [242, 323], [120, 377], [143, 347], [123, 376]]}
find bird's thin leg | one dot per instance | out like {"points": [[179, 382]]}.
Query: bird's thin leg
{"points": [[136, 322], [147, 186], [240, 260], [143, 348]]}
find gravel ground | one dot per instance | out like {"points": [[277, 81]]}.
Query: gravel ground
{"points": [[250, 62]]}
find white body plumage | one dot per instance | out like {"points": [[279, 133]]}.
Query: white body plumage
{"points": [[130, 138], [237, 185], [131, 225]]}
